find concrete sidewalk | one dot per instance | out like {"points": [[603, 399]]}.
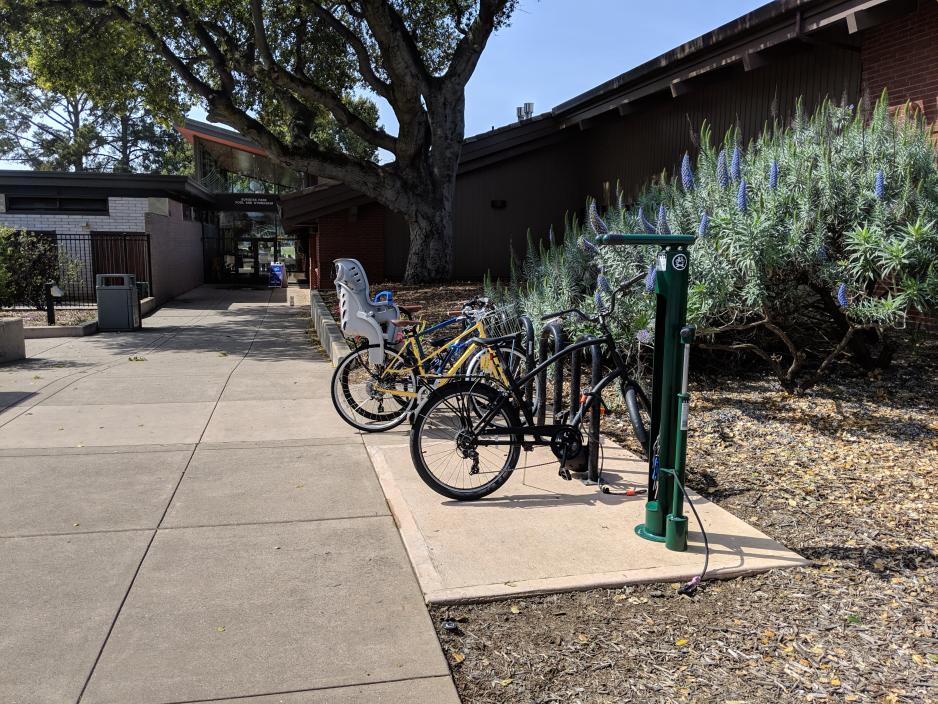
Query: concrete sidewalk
{"points": [[183, 518]]}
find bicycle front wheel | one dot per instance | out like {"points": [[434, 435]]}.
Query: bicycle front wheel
{"points": [[448, 456], [373, 398]]}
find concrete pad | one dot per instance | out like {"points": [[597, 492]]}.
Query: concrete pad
{"points": [[117, 424], [432, 690], [59, 595], [169, 364], [539, 533], [285, 419], [276, 484], [271, 364], [104, 389], [246, 386], [247, 610], [80, 493]]}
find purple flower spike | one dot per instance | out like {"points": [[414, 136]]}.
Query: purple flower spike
{"points": [[842, 300], [736, 165], [661, 226], [643, 336], [723, 176], [742, 202], [598, 298], [596, 222], [880, 188], [588, 246], [773, 175], [687, 173], [647, 226], [602, 284], [704, 225], [822, 254], [650, 278]]}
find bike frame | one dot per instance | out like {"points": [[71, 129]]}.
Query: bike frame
{"points": [[516, 391], [412, 343]]}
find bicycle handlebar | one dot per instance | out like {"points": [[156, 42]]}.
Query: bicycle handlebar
{"points": [[622, 288]]}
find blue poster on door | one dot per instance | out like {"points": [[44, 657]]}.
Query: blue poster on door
{"points": [[277, 274]]}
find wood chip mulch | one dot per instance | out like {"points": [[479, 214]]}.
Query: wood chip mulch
{"points": [[845, 475], [63, 316]]}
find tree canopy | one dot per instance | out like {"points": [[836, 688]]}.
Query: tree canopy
{"points": [[300, 78]]}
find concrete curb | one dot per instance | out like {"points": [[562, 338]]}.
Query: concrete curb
{"points": [[330, 335], [44, 331]]}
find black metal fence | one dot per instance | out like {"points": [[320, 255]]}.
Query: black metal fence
{"points": [[75, 259]]}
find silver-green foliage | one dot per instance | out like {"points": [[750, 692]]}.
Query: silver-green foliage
{"points": [[810, 236]]}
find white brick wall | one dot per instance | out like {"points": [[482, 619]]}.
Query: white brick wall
{"points": [[125, 215]]}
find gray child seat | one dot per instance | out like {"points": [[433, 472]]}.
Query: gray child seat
{"points": [[358, 314]]}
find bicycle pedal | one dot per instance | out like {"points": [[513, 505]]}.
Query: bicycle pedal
{"points": [[565, 474]]}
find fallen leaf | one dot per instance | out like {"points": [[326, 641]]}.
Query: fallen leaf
{"points": [[681, 642]]}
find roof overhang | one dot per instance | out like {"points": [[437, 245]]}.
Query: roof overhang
{"points": [[190, 129], [745, 43], [101, 185]]}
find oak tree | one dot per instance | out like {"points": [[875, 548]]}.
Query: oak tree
{"points": [[278, 70]]}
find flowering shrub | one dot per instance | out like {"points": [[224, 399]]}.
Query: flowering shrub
{"points": [[815, 239]]}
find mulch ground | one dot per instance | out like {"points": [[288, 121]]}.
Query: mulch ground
{"points": [[63, 316], [844, 475], [437, 301]]}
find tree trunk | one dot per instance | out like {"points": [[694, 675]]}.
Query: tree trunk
{"points": [[430, 255], [124, 163]]}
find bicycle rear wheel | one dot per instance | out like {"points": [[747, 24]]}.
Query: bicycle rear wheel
{"points": [[447, 455], [367, 397]]}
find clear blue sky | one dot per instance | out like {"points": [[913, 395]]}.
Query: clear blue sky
{"points": [[556, 49]]}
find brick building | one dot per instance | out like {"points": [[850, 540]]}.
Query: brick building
{"points": [[151, 226]]}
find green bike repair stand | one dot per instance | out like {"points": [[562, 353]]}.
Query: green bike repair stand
{"points": [[665, 521]]}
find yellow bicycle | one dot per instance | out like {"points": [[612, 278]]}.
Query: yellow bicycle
{"points": [[379, 397]]}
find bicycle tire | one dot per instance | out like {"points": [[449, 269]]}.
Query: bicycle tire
{"points": [[439, 403], [369, 421]]}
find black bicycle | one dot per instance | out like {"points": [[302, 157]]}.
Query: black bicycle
{"points": [[468, 435]]}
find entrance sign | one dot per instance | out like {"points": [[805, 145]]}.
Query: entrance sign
{"points": [[277, 275]]}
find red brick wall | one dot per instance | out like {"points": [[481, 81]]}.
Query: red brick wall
{"points": [[356, 233], [902, 57]]}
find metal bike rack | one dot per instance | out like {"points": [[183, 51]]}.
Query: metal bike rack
{"points": [[529, 357], [576, 371], [552, 332]]}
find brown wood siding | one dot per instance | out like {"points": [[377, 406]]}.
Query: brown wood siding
{"points": [[636, 147], [541, 186]]}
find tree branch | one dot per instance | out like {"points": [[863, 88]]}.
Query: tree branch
{"points": [[306, 88], [470, 47], [365, 66]]}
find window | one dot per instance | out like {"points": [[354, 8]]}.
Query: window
{"points": [[52, 204]]}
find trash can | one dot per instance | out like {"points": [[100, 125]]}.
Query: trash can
{"points": [[118, 302]]}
